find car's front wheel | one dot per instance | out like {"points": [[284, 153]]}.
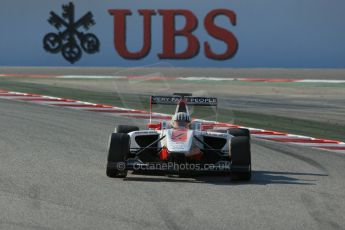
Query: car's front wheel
{"points": [[126, 128], [118, 151], [239, 132], [240, 158]]}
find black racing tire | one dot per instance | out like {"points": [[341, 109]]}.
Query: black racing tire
{"points": [[126, 128], [241, 158], [239, 132], [118, 151]]}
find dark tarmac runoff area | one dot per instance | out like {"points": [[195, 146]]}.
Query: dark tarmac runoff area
{"points": [[52, 160]]}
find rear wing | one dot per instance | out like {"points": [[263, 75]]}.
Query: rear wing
{"points": [[182, 100], [174, 100]]}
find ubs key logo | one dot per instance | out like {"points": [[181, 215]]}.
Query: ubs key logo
{"points": [[70, 40]]}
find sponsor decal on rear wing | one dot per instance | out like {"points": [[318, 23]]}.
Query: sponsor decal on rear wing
{"points": [[174, 100]]}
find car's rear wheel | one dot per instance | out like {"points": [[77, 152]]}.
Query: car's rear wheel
{"points": [[240, 158], [118, 151], [125, 128]]}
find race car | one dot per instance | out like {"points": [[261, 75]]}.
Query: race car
{"points": [[181, 145]]}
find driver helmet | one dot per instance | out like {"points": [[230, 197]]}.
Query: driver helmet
{"points": [[181, 119]]}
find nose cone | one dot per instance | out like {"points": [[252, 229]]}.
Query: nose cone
{"points": [[179, 140]]}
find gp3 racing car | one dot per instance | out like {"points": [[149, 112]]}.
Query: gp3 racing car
{"points": [[181, 145]]}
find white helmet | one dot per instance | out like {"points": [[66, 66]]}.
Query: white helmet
{"points": [[181, 116]]}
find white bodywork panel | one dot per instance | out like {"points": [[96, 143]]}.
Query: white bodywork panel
{"points": [[177, 144], [181, 140]]}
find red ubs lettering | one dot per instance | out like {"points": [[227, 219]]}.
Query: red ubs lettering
{"points": [[169, 34]]}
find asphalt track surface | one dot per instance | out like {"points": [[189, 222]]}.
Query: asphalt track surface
{"points": [[52, 176]]}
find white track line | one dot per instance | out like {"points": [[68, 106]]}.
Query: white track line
{"points": [[320, 81]]}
